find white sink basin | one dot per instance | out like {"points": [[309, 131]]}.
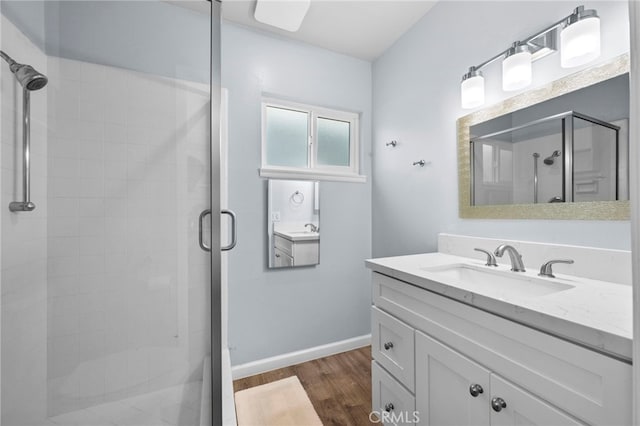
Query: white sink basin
{"points": [[501, 284]]}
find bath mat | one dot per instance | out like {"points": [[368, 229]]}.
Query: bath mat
{"points": [[280, 403]]}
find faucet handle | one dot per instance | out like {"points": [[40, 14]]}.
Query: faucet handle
{"points": [[491, 259], [547, 271]]}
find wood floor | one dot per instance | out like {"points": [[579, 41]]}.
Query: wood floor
{"points": [[338, 386]]}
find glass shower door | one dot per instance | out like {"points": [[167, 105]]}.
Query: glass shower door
{"points": [[106, 295]]}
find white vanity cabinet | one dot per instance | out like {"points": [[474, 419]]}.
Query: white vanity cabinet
{"points": [[459, 365], [296, 253]]}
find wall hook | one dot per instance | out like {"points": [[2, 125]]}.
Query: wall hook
{"points": [[392, 143], [421, 163]]}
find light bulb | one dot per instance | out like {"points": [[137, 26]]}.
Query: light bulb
{"points": [[472, 89], [516, 68], [580, 40]]}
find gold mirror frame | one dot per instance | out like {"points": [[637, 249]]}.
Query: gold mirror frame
{"points": [[592, 210]]}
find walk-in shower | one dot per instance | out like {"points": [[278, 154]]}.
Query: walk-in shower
{"points": [[30, 80], [107, 298]]}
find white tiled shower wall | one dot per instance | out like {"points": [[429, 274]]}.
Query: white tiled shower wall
{"points": [[128, 176], [104, 287], [24, 243]]}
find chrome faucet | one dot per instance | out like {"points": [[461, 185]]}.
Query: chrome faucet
{"points": [[312, 227], [546, 271], [516, 258]]}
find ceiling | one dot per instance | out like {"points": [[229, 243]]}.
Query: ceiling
{"points": [[360, 28]]}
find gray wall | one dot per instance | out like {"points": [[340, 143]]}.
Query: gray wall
{"points": [[416, 86], [272, 312], [124, 34]]}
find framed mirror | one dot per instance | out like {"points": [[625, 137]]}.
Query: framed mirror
{"points": [[556, 152], [293, 223]]}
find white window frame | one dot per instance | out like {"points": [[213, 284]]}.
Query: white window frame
{"points": [[350, 173]]}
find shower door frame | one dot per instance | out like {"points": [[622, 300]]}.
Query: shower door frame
{"points": [[215, 253]]}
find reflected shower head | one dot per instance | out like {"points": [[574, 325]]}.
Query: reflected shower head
{"points": [[550, 159], [26, 75]]}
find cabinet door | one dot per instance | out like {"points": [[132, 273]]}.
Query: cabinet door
{"points": [[281, 258], [446, 383], [524, 409], [392, 403]]}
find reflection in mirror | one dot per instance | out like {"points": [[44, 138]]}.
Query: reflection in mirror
{"points": [[572, 148], [293, 219]]}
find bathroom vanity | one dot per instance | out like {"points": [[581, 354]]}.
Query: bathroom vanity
{"points": [[457, 342], [296, 248]]}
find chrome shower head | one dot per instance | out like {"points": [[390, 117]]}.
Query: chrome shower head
{"points": [[550, 159], [26, 75], [29, 78]]}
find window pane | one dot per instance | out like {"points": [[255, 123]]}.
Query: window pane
{"points": [[333, 142], [287, 137]]}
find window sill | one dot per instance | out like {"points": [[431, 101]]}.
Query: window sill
{"points": [[311, 175]]}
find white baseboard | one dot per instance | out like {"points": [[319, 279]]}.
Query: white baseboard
{"points": [[293, 358]]}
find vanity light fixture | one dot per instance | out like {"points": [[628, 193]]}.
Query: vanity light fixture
{"points": [[579, 44]]}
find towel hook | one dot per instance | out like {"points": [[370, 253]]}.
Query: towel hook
{"points": [[421, 163], [393, 143]]}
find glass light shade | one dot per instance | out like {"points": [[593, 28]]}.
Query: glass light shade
{"points": [[516, 71], [580, 42], [472, 92]]}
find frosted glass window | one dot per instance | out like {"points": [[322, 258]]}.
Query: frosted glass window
{"points": [[333, 142], [302, 141], [287, 137]]}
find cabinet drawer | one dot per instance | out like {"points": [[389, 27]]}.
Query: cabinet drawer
{"points": [[392, 345], [388, 394], [283, 244], [590, 386]]}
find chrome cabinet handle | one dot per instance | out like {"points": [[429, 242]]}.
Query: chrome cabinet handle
{"points": [[498, 404], [475, 390], [388, 346], [234, 230], [389, 407], [203, 246]]}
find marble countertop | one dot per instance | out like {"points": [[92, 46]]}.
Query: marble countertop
{"points": [[592, 313]]}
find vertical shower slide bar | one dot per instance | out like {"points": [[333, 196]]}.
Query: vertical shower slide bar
{"points": [[29, 79], [25, 205], [535, 177]]}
